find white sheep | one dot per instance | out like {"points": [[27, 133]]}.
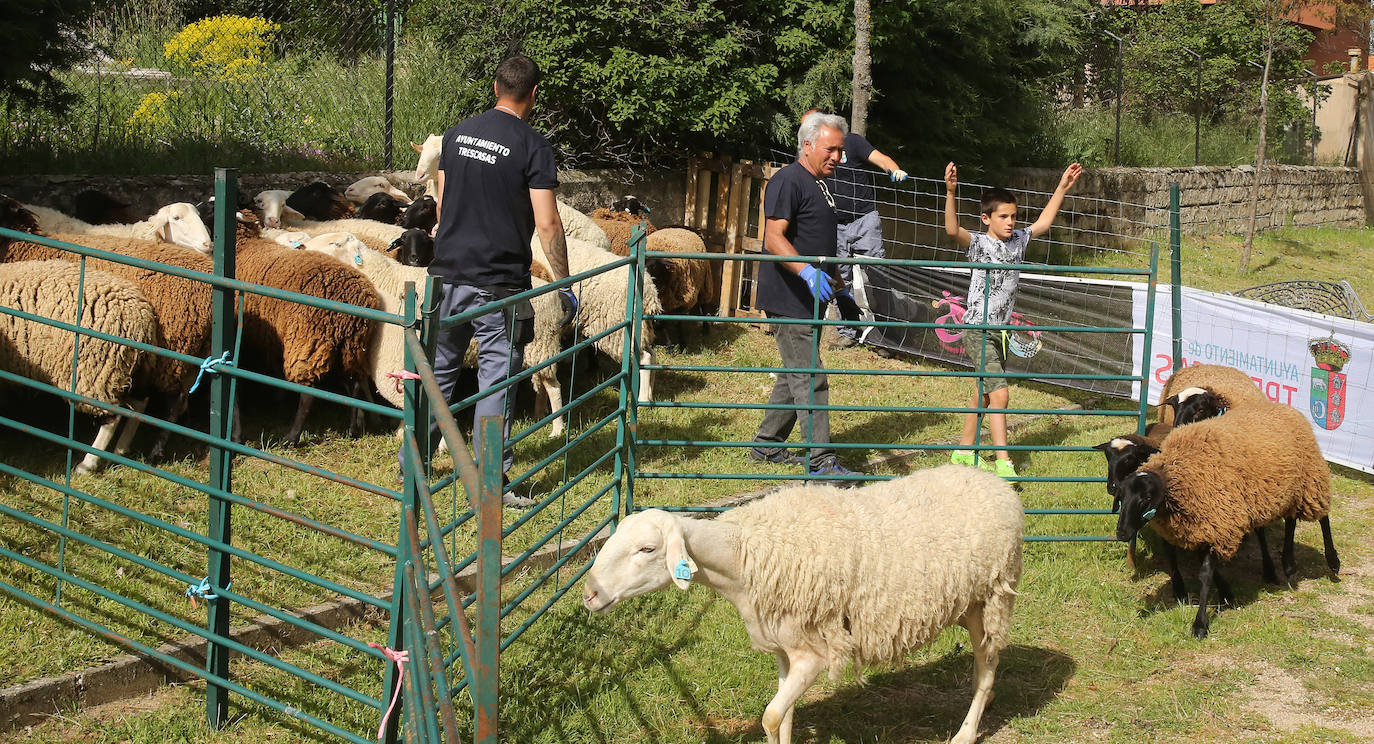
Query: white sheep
{"points": [[105, 370], [271, 206], [1214, 481], [178, 223], [427, 169], [359, 191], [823, 576], [375, 235], [387, 351], [602, 303]]}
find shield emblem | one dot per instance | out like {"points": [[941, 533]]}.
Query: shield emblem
{"points": [[1328, 398]]}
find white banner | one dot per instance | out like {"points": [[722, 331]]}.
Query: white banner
{"points": [[1318, 364]]}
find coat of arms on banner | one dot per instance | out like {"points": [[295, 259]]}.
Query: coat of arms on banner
{"points": [[1328, 382]]}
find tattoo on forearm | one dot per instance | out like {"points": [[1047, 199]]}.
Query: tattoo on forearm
{"points": [[556, 251]]}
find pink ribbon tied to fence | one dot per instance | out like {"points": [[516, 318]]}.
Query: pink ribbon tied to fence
{"points": [[400, 657], [401, 376]]}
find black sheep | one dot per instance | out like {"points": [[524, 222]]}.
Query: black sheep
{"points": [[320, 201], [99, 208], [413, 248], [422, 213], [382, 208]]}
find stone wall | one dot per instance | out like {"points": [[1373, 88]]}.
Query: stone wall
{"points": [[662, 190], [1214, 199]]}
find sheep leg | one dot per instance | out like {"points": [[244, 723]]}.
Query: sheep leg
{"points": [[1333, 561], [554, 392], [1290, 565], [126, 437], [174, 414], [1266, 562], [984, 669], [356, 424], [91, 462], [1175, 575], [293, 437], [646, 380], [802, 671], [1204, 574], [784, 730]]}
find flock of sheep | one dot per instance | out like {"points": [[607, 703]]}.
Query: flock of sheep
{"points": [[824, 577], [358, 247]]}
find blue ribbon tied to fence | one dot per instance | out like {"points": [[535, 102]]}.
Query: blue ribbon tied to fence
{"points": [[209, 366]]}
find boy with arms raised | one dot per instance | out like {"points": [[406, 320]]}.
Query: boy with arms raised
{"points": [[991, 296]]}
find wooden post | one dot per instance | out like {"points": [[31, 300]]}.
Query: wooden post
{"points": [[703, 194], [727, 278], [689, 216]]}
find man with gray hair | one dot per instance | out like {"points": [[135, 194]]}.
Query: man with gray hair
{"points": [[799, 213]]}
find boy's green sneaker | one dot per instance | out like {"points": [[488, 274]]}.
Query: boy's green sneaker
{"points": [[1005, 469], [963, 457]]}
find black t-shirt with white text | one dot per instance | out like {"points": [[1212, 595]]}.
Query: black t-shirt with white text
{"points": [[490, 162], [793, 194], [852, 183]]}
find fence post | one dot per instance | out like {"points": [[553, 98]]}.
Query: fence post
{"points": [[1176, 272], [629, 367], [487, 668], [221, 460], [389, 125], [1149, 333]]}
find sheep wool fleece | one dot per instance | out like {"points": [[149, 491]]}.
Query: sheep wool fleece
{"points": [[1228, 475], [38, 351], [877, 571]]}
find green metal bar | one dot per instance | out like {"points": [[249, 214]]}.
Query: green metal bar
{"points": [[520, 436], [873, 445], [221, 282], [900, 372], [71, 421], [889, 409], [184, 666], [210, 491], [752, 320], [490, 307], [182, 625], [553, 568], [1175, 273], [1149, 335], [627, 427], [420, 705], [195, 537], [909, 263], [220, 524], [488, 633], [515, 563]]}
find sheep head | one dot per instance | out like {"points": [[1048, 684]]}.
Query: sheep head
{"points": [[15, 216], [646, 553], [271, 204], [1195, 404], [344, 246], [180, 223], [1142, 496], [360, 190], [1124, 455], [428, 166]]}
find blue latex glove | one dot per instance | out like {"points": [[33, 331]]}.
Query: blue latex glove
{"points": [[569, 302], [818, 282], [897, 175]]}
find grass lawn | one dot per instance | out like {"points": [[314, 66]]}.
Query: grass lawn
{"points": [[1100, 650]]}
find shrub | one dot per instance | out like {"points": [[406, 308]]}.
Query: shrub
{"points": [[226, 48]]}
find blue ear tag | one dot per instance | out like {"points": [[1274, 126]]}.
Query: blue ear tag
{"points": [[681, 571], [1147, 516], [358, 258]]}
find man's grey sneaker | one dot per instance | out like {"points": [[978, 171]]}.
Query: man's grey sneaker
{"points": [[511, 501], [777, 457]]}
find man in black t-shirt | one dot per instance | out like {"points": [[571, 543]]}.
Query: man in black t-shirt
{"points": [[799, 219], [495, 184], [860, 231]]}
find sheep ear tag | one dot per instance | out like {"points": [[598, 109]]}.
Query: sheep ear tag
{"points": [[1148, 515], [682, 572]]}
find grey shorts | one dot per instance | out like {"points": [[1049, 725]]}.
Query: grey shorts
{"points": [[995, 342]]}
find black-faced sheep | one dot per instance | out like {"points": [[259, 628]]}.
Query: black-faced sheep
{"points": [[381, 208], [413, 248], [1230, 383], [304, 344], [824, 577], [423, 214], [1214, 481], [105, 371], [318, 200]]}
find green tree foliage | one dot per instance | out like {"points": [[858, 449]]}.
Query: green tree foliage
{"points": [[37, 38]]}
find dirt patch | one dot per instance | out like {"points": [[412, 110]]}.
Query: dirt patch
{"points": [[1286, 703]]}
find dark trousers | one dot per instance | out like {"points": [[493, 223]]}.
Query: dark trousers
{"points": [[795, 344], [496, 359]]}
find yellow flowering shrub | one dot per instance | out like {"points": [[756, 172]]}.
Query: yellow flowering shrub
{"points": [[154, 111], [228, 48]]}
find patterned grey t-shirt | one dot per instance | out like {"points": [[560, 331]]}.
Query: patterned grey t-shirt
{"points": [[1000, 283]]}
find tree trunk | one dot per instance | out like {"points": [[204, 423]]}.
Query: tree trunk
{"points": [[1260, 148], [862, 86]]}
